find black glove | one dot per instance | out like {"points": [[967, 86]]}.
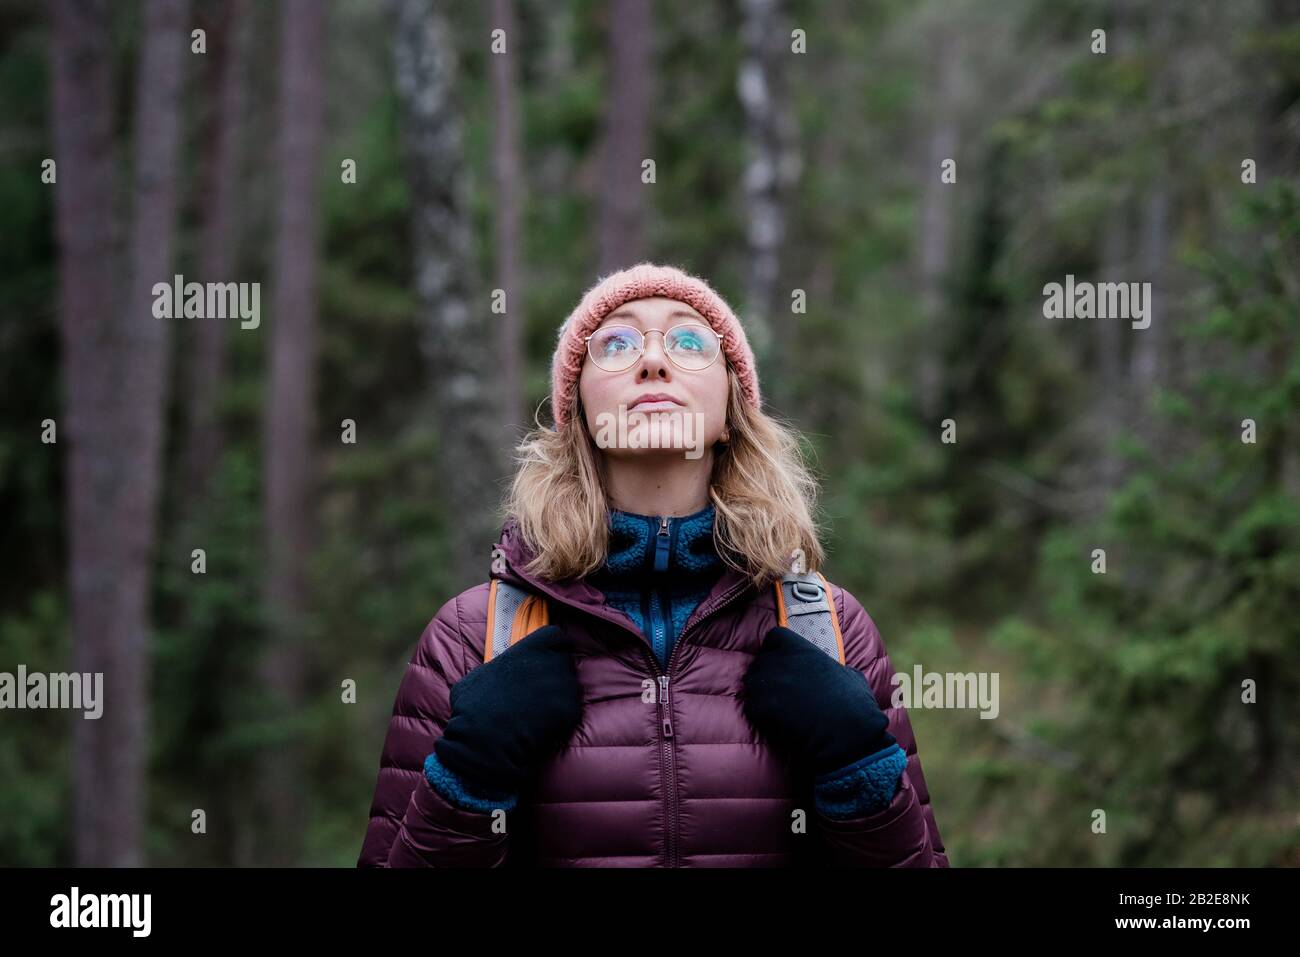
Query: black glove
{"points": [[507, 715], [810, 706]]}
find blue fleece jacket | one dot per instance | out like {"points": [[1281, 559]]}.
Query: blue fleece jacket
{"points": [[657, 570]]}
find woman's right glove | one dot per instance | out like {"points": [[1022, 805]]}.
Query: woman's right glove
{"points": [[508, 715]]}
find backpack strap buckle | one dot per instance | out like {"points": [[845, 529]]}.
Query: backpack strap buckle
{"points": [[806, 590]]}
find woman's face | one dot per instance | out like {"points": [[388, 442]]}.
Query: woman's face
{"points": [[696, 412]]}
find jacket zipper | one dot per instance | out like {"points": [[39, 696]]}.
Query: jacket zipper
{"points": [[667, 768], [670, 773]]}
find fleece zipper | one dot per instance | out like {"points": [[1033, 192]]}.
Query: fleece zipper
{"points": [[659, 601]]}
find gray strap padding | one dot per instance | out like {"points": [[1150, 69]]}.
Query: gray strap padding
{"points": [[808, 611], [509, 598]]}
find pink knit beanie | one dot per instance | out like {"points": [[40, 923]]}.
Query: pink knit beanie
{"points": [[641, 282]]}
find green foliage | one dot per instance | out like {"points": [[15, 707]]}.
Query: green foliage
{"points": [[35, 745], [1199, 597]]}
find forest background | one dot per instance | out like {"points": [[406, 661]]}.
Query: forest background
{"points": [[883, 190]]}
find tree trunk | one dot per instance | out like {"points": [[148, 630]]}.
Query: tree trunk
{"points": [[229, 64], [1147, 368], [458, 342], [1278, 153], [290, 393], [508, 174], [627, 134], [771, 169], [115, 368], [83, 129], [1110, 397], [145, 362], [938, 199]]}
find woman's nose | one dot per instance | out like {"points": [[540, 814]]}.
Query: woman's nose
{"points": [[653, 354]]}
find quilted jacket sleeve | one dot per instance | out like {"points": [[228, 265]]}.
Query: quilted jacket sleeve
{"points": [[903, 834], [411, 823]]}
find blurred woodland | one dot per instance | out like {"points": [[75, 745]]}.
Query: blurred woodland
{"points": [[386, 175]]}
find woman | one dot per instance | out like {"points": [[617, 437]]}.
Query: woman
{"points": [[662, 717]]}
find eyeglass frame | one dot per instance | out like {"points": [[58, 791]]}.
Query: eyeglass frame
{"points": [[667, 354]]}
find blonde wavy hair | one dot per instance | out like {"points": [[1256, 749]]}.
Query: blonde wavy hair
{"points": [[762, 489]]}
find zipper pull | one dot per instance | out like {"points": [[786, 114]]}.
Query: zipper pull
{"points": [[661, 545], [664, 700]]}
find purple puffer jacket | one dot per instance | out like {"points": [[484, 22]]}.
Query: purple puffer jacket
{"points": [[631, 789]]}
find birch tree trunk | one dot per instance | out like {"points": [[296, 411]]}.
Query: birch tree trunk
{"points": [[771, 169], [458, 339]]}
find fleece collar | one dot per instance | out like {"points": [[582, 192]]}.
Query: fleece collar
{"points": [[660, 548]]}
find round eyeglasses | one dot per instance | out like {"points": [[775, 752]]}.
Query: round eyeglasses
{"points": [[691, 346]]}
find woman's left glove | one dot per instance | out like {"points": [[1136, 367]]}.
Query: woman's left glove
{"points": [[812, 707]]}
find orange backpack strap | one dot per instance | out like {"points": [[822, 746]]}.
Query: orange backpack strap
{"points": [[512, 615], [805, 605]]}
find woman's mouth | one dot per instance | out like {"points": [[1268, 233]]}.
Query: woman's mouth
{"points": [[653, 401]]}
